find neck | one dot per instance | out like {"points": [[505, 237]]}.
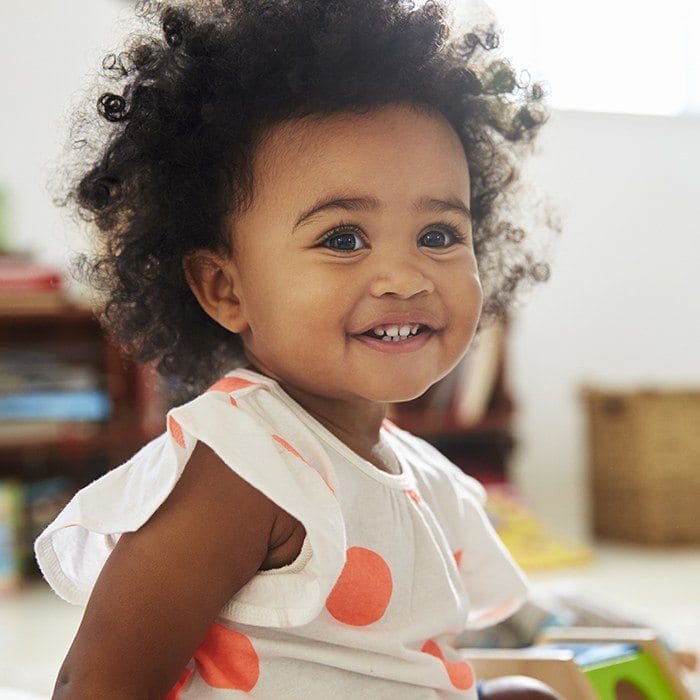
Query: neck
{"points": [[353, 422], [356, 423]]}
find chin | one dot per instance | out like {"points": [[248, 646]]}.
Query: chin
{"points": [[399, 394]]}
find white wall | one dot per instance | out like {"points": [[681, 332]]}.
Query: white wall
{"points": [[48, 52], [623, 305], [624, 299]]}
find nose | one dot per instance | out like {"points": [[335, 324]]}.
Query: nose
{"points": [[403, 276]]}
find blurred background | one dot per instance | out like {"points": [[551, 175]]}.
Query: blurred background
{"points": [[588, 426]]}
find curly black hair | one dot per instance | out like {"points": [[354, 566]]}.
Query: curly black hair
{"points": [[194, 97]]}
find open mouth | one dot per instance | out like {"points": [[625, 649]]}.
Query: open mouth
{"points": [[396, 334]]}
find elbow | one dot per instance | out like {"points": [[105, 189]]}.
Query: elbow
{"points": [[62, 688], [67, 688]]}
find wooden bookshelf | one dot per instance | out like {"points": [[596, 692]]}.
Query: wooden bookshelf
{"points": [[47, 459], [78, 448]]}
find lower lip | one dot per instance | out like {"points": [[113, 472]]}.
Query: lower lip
{"points": [[392, 347]]}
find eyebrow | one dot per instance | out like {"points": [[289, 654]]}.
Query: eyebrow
{"points": [[369, 203]]}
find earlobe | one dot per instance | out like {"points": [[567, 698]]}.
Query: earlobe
{"points": [[213, 280]]}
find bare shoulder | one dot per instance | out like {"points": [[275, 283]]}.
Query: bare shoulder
{"points": [[163, 585]]}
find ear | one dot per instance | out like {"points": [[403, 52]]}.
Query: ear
{"points": [[214, 280]]}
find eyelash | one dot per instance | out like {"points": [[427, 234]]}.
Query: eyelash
{"points": [[449, 229]]}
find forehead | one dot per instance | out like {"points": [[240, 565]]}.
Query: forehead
{"points": [[396, 154]]}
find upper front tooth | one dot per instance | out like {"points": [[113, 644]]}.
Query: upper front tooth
{"points": [[394, 331]]}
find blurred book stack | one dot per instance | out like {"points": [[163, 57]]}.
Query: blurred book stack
{"points": [[478, 375], [27, 286], [11, 502], [72, 406], [26, 508], [47, 388], [52, 391]]}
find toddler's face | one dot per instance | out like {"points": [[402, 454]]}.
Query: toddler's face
{"points": [[321, 292]]}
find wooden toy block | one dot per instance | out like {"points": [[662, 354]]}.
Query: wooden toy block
{"points": [[555, 667], [646, 640], [590, 664]]}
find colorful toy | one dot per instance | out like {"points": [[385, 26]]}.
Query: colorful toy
{"points": [[591, 664], [533, 544]]}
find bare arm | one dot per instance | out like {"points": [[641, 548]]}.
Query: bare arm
{"points": [[163, 586]]}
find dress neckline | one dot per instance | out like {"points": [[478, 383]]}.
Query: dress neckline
{"points": [[388, 440]]}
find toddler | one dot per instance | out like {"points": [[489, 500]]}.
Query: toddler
{"points": [[297, 211]]}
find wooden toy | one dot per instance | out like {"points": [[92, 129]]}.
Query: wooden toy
{"points": [[583, 663]]}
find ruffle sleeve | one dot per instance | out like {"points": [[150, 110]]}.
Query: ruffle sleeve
{"points": [[278, 457], [494, 583]]}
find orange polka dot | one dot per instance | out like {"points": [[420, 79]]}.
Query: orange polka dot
{"points": [[229, 384], [413, 495], [288, 447], [176, 431], [233, 402], [458, 557], [175, 691], [460, 672], [363, 590], [227, 659]]}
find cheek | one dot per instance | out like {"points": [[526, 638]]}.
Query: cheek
{"points": [[465, 305], [284, 301], [465, 292]]}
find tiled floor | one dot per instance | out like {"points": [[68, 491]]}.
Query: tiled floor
{"points": [[663, 585]]}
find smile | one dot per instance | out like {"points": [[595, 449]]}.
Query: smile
{"points": [[398, 343], [395, 333]]}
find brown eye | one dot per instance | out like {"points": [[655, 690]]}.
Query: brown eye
{"points": [[343, 239], [440, 237]]}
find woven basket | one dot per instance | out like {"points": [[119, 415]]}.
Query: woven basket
{"points": [[644, 464]]}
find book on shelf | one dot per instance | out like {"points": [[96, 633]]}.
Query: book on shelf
{"points": [[28, 286], [30, 302], [91, 405], [21, 432], [52, 393], [11, 502], [26, 508], [57, 367], [478, 375], [21, 274]]}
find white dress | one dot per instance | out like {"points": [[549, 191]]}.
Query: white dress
{"points": [[392, 568]]}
